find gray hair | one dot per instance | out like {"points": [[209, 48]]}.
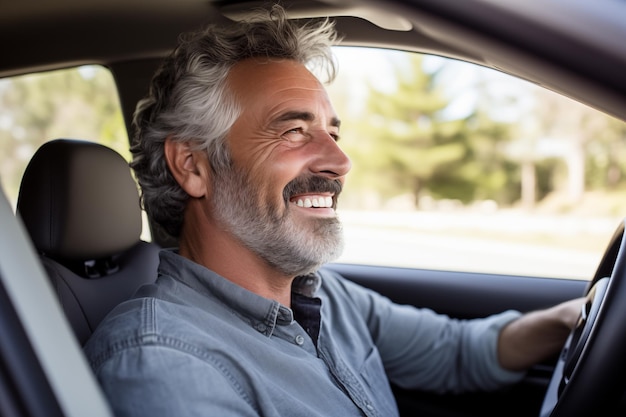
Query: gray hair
{"points": [[190, 101]]}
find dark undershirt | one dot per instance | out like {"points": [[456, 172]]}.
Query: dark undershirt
{"points": [[306, 311]]}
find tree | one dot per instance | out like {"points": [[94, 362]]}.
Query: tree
{"points": [[605, 167], [73, 103], [413, 147], [590, 145]]}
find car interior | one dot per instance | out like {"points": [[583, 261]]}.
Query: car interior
{"points": [[80, 207], [73, 246], [43, 371]]}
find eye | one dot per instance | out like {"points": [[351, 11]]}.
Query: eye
{"points": [[295, 134]]}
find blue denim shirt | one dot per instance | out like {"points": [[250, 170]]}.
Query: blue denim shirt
{"points": [[195, 344]]}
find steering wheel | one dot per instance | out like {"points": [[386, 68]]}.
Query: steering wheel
{"points": [[589, 374]]}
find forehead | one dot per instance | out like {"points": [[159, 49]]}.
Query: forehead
{"points": [[269, 85]]}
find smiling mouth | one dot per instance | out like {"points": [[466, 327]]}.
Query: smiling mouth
{"points": [[316, 201], [313, 192]]}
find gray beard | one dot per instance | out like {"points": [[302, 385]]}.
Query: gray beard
{"points": [[293, 248]]}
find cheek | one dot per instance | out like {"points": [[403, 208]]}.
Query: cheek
{"points": [[264, 163], [279, 168], [261, 183], [268, 184]]}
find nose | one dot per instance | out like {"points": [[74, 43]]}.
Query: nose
{"points": [[329, 159]]}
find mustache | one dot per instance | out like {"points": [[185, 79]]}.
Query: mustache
{"points": [[311, 184]]}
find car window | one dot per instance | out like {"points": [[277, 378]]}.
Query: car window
{"points": [[455, 166], [77, 103], [459, 167]]}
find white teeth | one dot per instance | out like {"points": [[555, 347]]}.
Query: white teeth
{"points": [[315, 202]]}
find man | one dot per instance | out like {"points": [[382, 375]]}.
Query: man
{"points": [[236, 153]]}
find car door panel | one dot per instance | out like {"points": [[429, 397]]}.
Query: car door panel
{"points": [[462, 294]]}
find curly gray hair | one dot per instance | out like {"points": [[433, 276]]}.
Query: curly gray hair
{"points": [[189, 98]]}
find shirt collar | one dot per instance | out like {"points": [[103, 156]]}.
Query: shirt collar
{"points": [[262, 313]]}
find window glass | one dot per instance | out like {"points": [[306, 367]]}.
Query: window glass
{"points": [[455, 167], [458, 167], [77, 103]]}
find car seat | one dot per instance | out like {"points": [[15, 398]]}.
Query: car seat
{"points": [[80, 205]]}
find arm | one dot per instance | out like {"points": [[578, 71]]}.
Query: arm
{"points": [[537, 335], [421, 349]]}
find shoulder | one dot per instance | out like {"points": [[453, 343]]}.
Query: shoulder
{"points": [[150, 362], [146, 323]]}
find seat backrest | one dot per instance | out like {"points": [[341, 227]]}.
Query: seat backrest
{"points": [[80, 206]]}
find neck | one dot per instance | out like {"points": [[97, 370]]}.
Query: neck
{"points": [[226, 256]]}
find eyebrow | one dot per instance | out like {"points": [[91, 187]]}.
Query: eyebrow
{"points": [[303, 115]]}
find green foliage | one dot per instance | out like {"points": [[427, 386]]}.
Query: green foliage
{"points": [[73, 103], [401, 137], [605, 165], [413, 147]]}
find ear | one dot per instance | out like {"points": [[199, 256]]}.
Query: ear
{"points": [[189, 167]]}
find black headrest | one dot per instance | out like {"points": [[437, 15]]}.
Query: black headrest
{"points": [[79, 201]]}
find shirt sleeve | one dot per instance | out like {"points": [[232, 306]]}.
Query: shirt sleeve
{"points": [[424, 350], [135, 380]]}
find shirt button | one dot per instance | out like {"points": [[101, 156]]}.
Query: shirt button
{"points": [[261, 327], [369, 407], [299, 340]]}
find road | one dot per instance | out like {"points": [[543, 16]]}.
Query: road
{"points": [[441, 241]]}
